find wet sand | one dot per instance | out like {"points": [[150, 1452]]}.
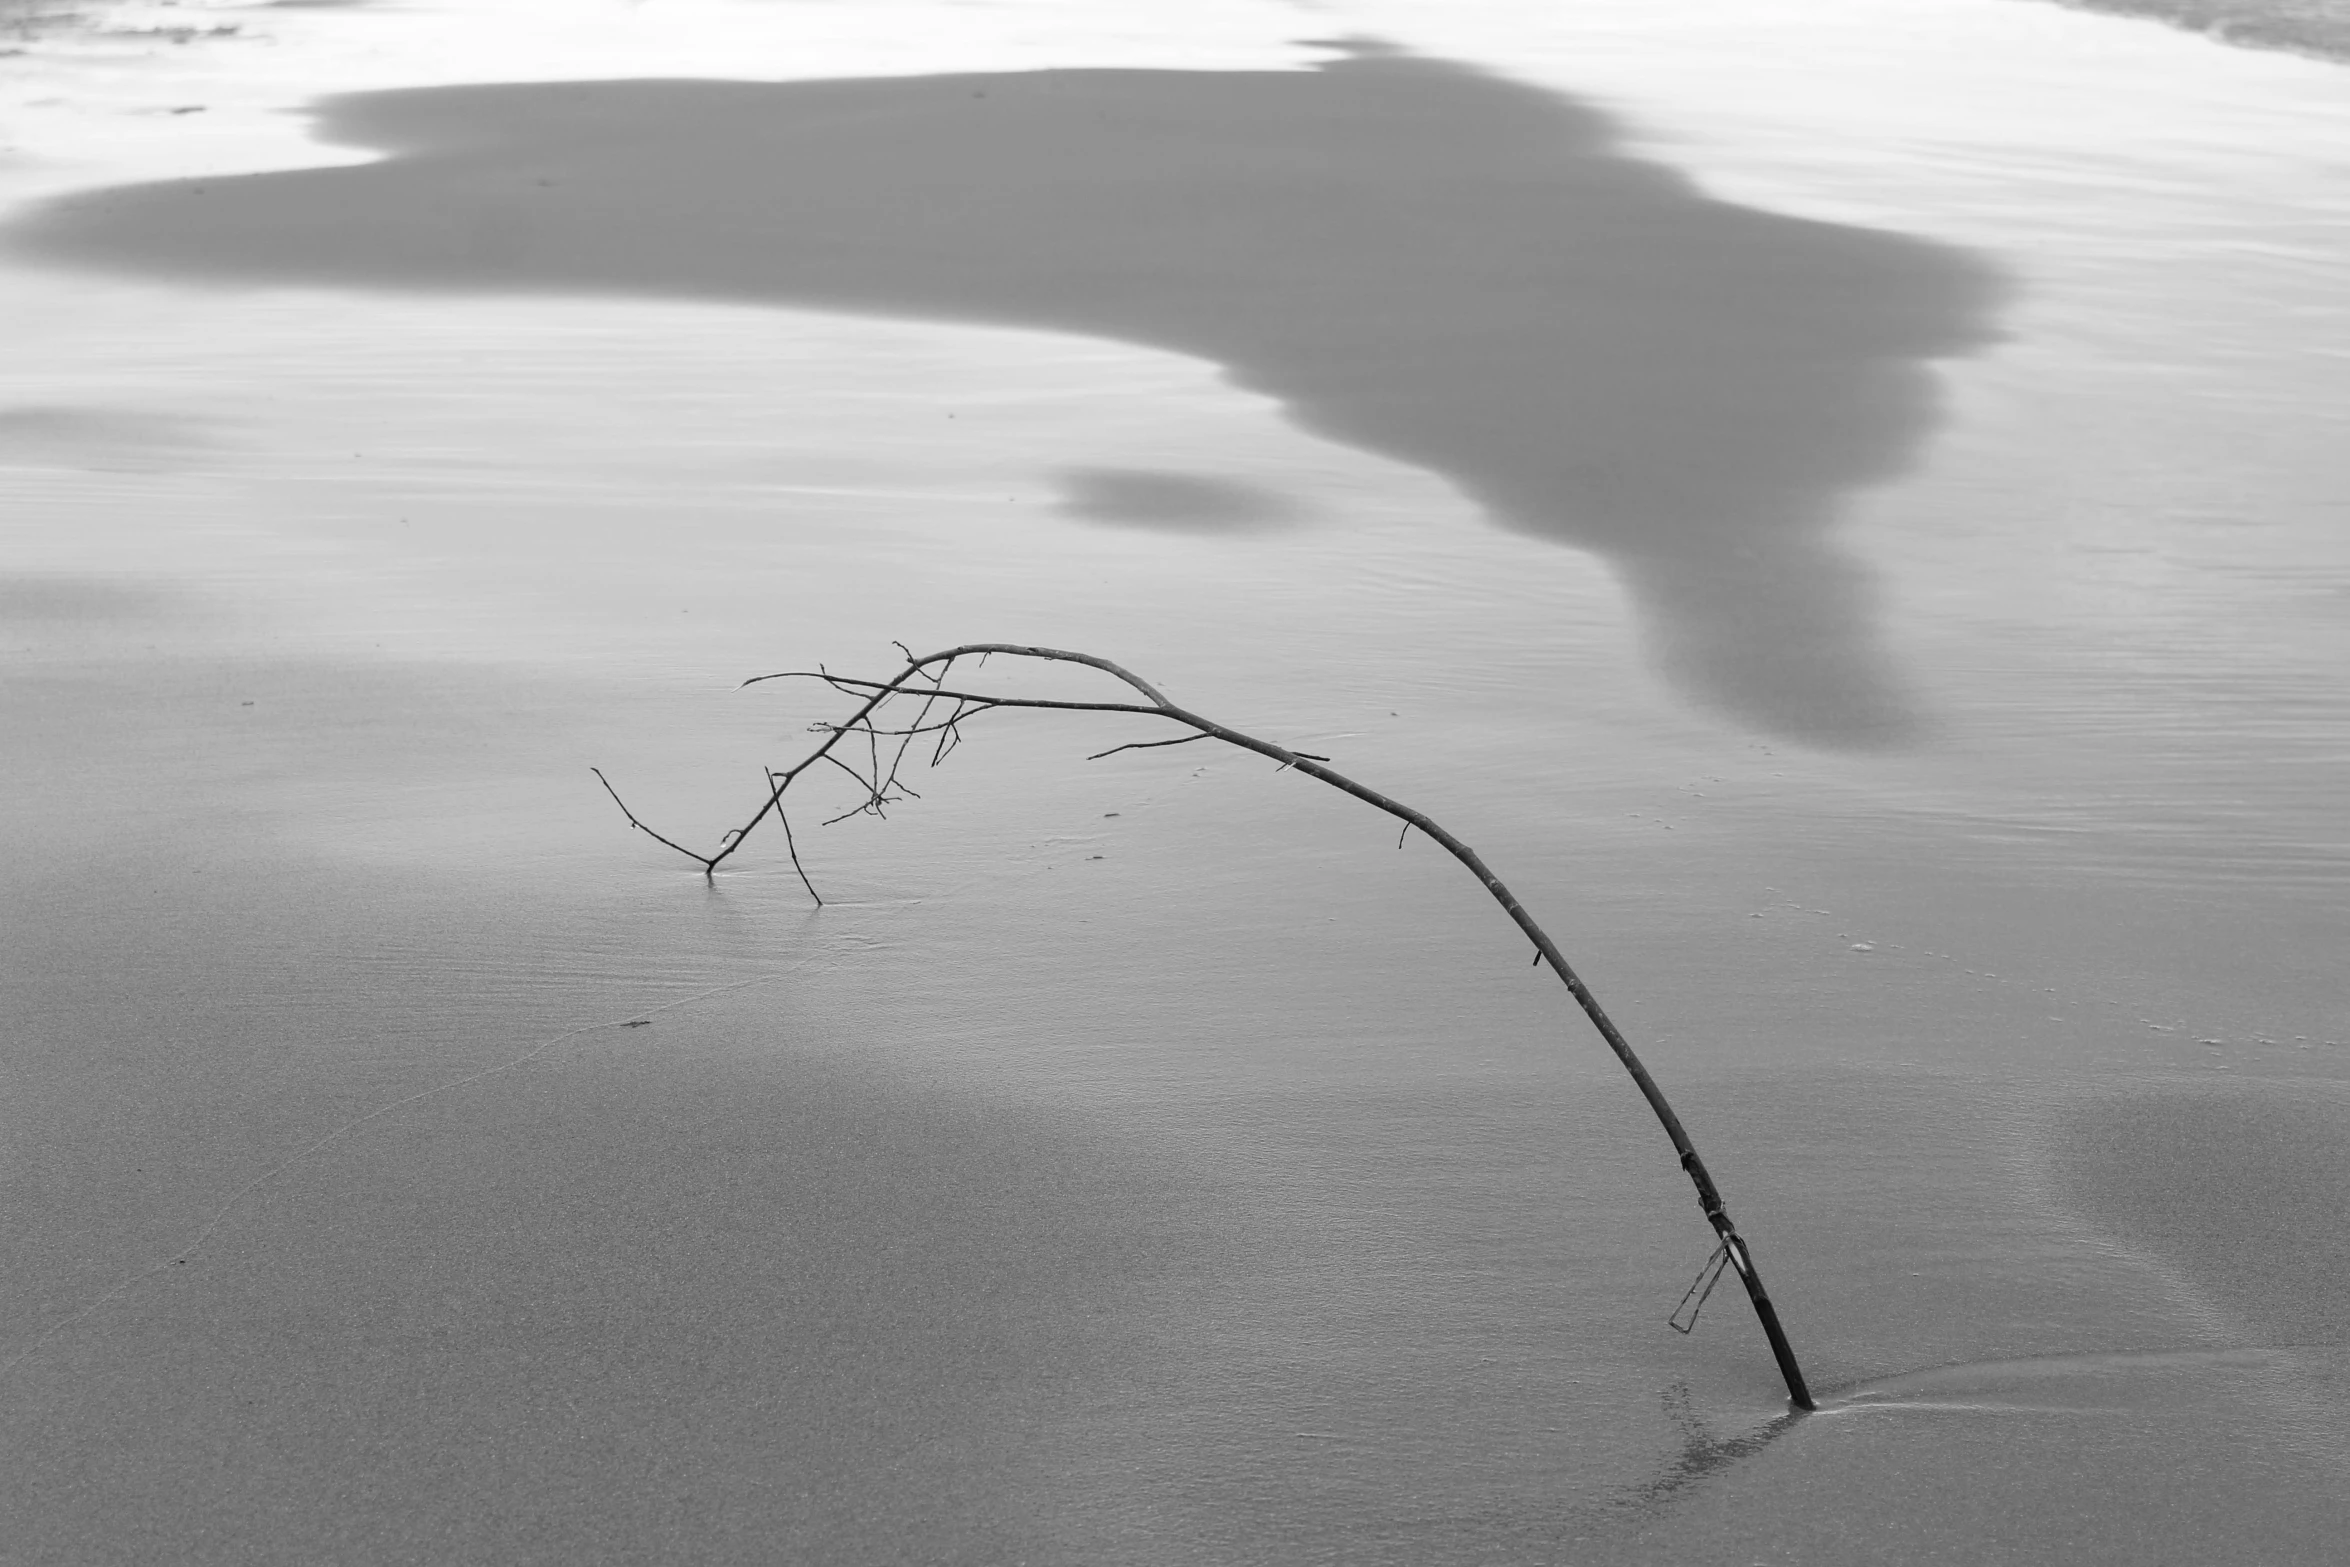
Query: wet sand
{"points": [[1422, 260], [1144, 1161]]}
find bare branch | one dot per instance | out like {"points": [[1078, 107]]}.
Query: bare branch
{"points": [[879, 786]]}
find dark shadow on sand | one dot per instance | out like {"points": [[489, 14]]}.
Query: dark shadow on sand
{"points": [[1414, 257]]}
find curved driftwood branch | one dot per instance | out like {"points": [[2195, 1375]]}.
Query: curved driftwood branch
{"points": [[880, 781]]}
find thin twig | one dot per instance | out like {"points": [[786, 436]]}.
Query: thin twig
{"points": [[640, 826], [885, 688], [793, 848], [1147, 745], [907, 739], [870, 728], [870, 795]]}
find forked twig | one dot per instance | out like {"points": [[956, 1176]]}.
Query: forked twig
{"points": [[880, 790]]}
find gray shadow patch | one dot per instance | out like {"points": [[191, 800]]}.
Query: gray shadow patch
{"points": [[1412, 257], [1175, 502]]}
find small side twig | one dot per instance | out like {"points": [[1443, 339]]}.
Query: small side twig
{"points": [[1701, 1289], [1148, 745], [641, 827], [789, 845]]}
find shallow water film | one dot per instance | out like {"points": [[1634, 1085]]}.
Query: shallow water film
{"points": [[1840, 503]]}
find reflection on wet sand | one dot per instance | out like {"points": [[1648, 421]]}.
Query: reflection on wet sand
{"points": [[1414, 257], [1702, 1452]]}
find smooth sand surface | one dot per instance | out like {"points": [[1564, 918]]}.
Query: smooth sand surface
{"points": [[1146, 1161]]}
